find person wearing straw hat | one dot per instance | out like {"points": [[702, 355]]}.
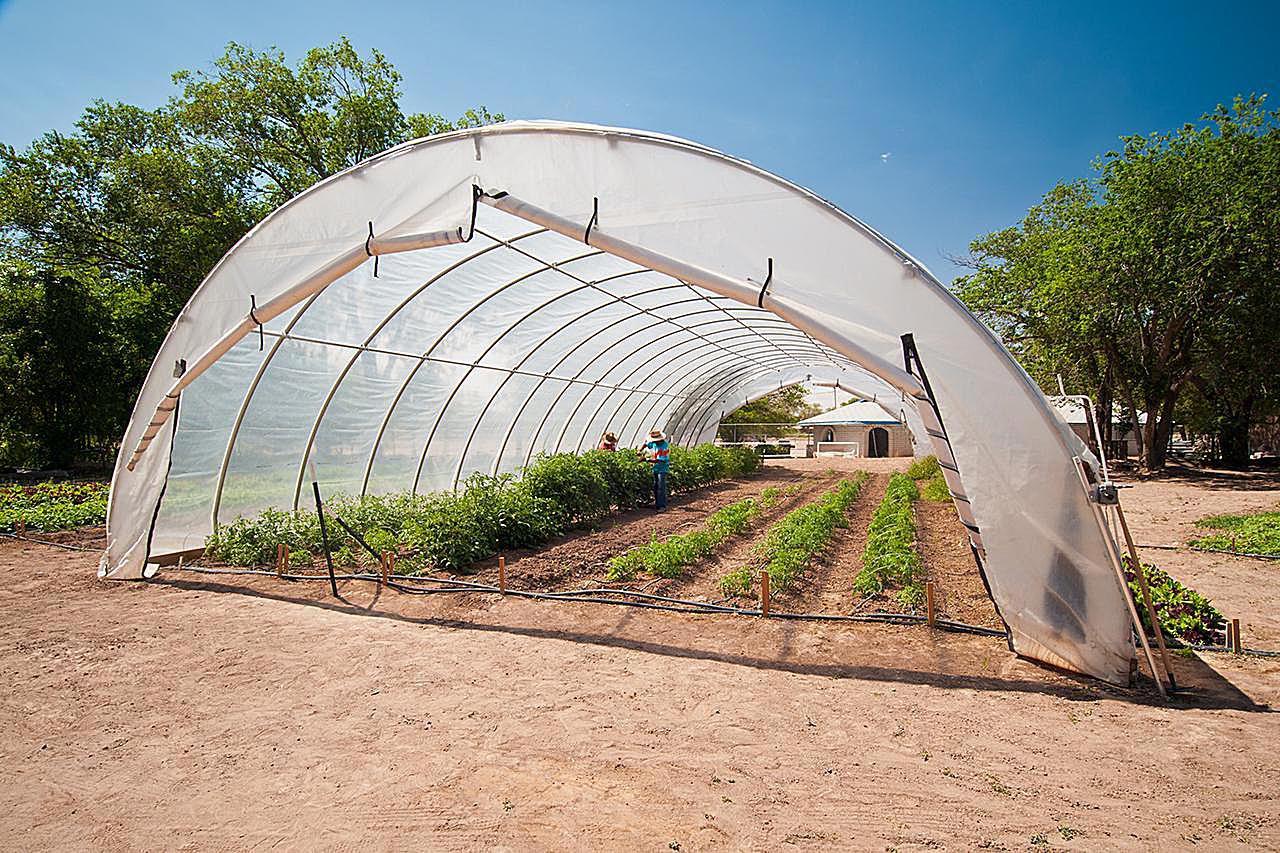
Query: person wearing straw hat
{"points": [[657, 451], [609, 442]]}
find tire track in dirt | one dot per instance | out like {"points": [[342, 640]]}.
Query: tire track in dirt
{"points": [[701, 582]]}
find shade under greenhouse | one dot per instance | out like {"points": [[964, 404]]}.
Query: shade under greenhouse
{"points": [[465, 302]]}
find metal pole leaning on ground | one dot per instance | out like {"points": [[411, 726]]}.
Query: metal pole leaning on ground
{"points": [[1146, 595], [324, 538]]}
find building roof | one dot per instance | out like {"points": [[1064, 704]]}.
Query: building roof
{"points": [[859, 412], [1071, 410]]}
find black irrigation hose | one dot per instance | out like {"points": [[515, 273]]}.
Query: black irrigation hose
{"points": [[1213, 551], [650, 601], [47, 542]]}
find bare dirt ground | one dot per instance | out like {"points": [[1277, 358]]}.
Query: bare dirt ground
{"points": [[252, 713]]}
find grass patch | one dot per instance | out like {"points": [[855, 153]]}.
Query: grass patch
{"points": [[1183, 613], [795, 538], [452, 530], [53, 506], [667, 558], [1258, 533], [890, 558]]}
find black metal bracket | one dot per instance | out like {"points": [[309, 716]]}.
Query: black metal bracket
{"points": [[768, 279], [253, 315], [593, 222], [369, 251]]}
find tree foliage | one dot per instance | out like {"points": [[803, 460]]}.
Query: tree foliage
{"points": [[1154, 282], [105, 231]]}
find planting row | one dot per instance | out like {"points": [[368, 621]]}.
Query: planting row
{"points": [[890, 559], [53, 506], [667, 558], [451, 531], [791, 543]]}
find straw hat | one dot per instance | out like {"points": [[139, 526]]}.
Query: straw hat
{"points": [[657, 435]]}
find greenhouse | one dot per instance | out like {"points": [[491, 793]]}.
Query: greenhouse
{"points": [[465, 302]]}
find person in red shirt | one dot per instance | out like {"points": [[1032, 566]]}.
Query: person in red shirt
{"points": [[608, 442]]}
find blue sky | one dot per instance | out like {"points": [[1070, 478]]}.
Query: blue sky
{"points": [[933, 122]]}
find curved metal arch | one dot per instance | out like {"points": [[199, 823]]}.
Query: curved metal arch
{"points": [[700, 398], [642, 392], [699, 342], [485, 411], [382, 324], [703, 369], [462, 380], [751, 354], [244, 408], [583, 281], [685, 381], [511, 429], [377, 441], [470, 369], [462, 457]]}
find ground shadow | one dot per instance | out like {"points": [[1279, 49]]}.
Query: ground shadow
{"points": [[1204, 688], [1252, 480]]}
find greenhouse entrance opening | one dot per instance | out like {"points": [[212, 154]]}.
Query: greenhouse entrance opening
{"points": [[464, 303]]}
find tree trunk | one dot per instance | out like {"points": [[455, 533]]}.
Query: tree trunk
{"points": [[1233, 435]]}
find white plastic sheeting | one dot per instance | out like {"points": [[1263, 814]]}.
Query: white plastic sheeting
{"points": [[606, 279]]}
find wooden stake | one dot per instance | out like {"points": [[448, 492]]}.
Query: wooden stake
{"points": [[930, 614], [282, 559], [502, 574], [391, 565], [764, 593], [386, 557], [1146, 598], [21, 527], [1237, 646]]}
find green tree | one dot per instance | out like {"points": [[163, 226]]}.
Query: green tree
{"points": [[1158, 274], [107, 230], [784, 406], [290, 127]]}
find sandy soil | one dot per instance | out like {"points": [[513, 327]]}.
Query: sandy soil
{"points": [[237, 712]]}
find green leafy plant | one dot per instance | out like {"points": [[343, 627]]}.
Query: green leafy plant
{"points": [[924, 468], [1250, 534], [889, 558], [1183, 613], [935, 489], [453, 530], [53, 506], [668, 558], [796, 537]]}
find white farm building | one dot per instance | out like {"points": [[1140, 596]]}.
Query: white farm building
{"points": [[860, 428]]}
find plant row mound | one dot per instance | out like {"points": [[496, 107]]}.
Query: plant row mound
{"points": [[701, 582], [583, 557]]}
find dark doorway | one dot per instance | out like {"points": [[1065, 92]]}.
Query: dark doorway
{"points": [[878, 442]]}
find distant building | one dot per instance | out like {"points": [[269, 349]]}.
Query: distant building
{"points": [[861, 428], [1124, 442]]}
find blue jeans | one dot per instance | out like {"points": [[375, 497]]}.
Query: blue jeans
{"points": [[659, 489]]}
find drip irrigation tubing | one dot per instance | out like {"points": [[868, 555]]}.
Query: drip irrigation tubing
{"points": [[1212, 551], [625, 597], [62, 545]]}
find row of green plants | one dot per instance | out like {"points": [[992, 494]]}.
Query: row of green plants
{"points": [[890, 559], [1258, 533], [667, 558], [1184, 614], [450, 531], [53, 506], [793, 540], [934, 486]]}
